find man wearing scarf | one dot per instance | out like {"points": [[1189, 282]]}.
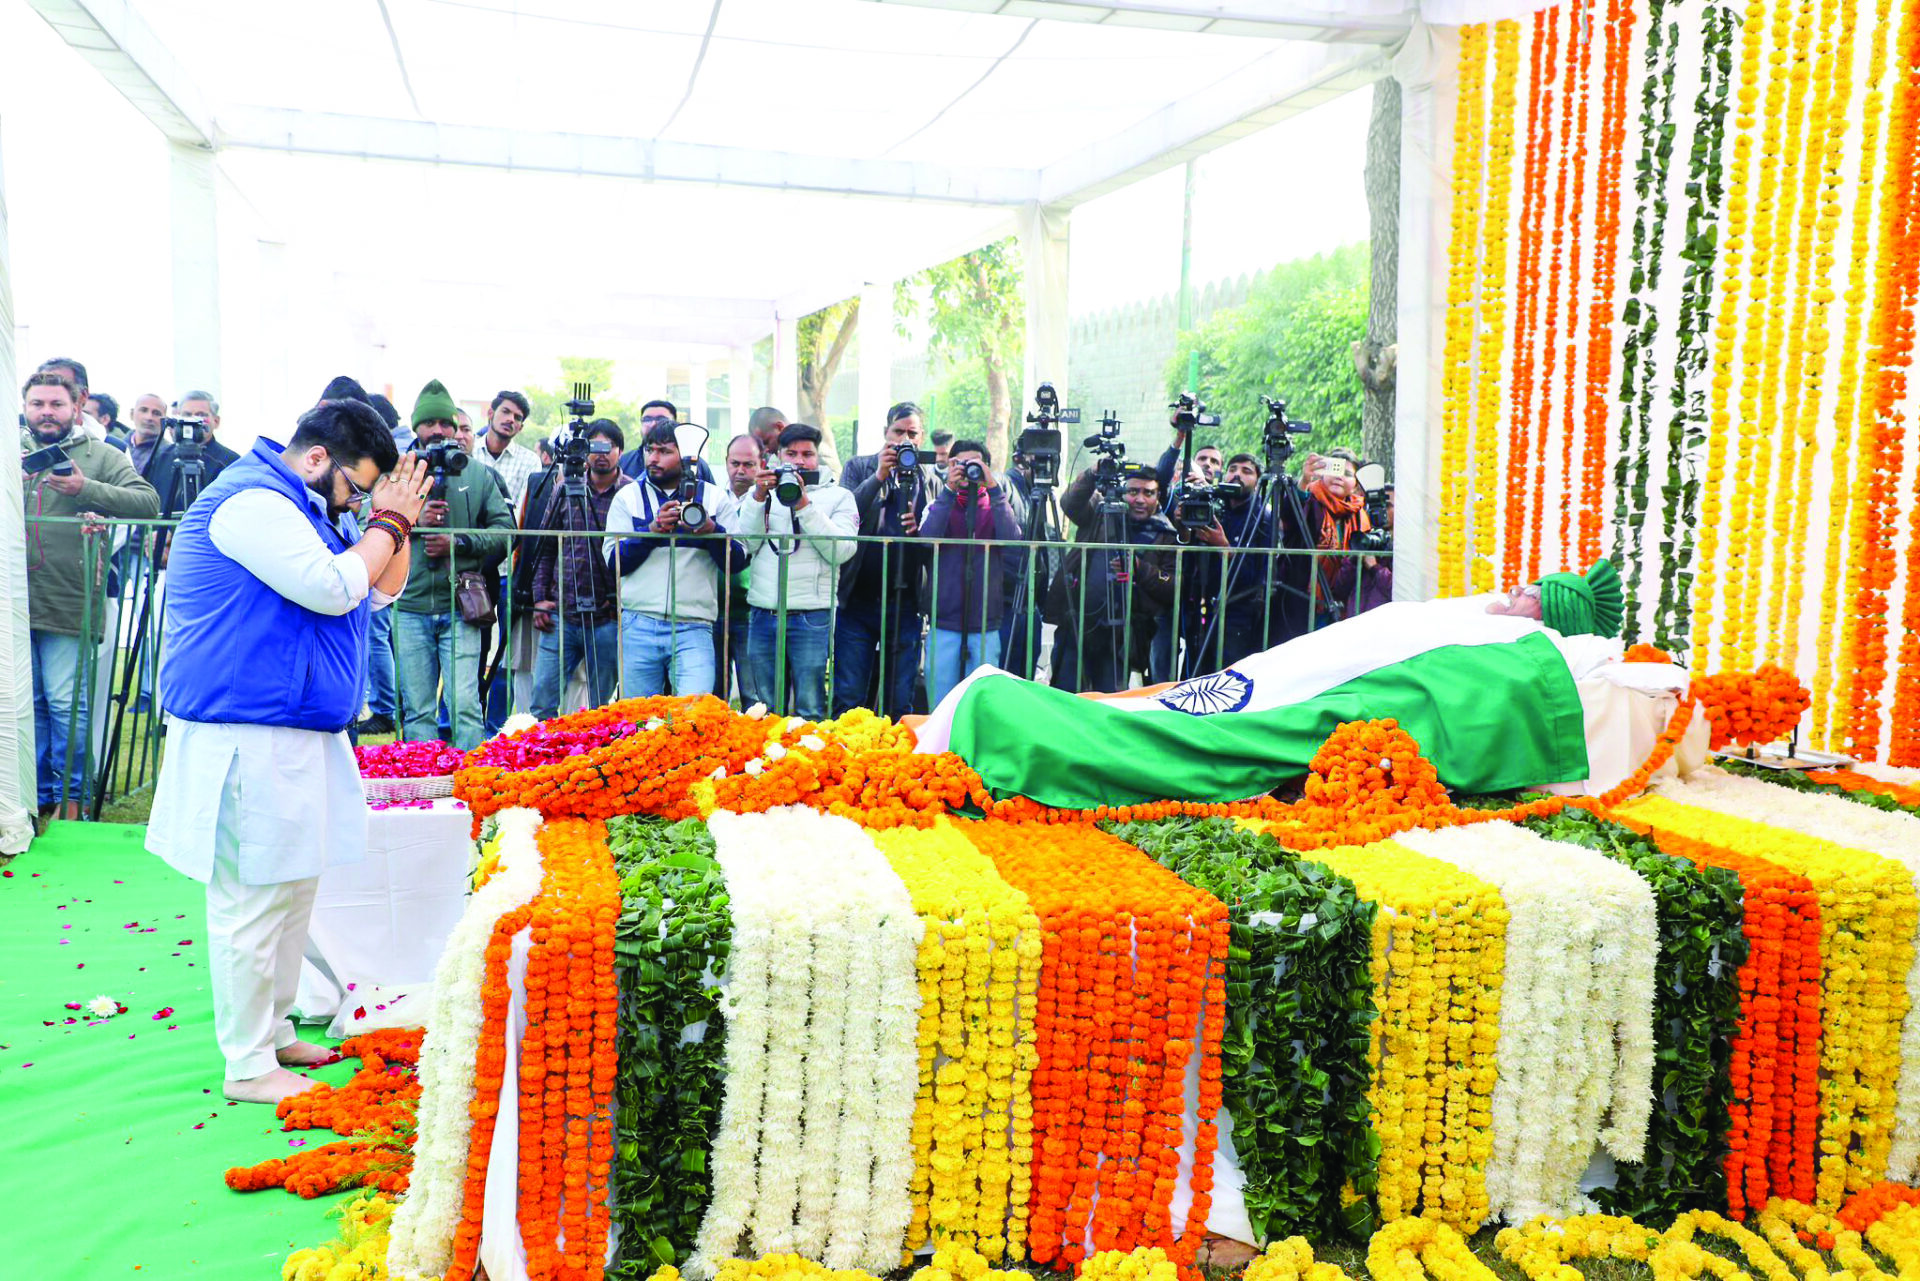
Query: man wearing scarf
{"points": [[967, 591]]}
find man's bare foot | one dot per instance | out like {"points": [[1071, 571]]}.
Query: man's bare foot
{"points": [[306, 1054], [271, 1088], [1225, 1252]]}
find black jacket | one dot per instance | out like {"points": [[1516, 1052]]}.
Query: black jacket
{"points": [[878, 504], [1151, 591]]}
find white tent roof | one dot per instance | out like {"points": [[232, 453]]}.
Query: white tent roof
{"points": [[823, 143]]}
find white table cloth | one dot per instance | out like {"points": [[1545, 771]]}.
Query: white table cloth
{"points": [[380, 925]]}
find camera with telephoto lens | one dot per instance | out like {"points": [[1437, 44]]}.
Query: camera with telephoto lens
{"points": [[1373, 479], [1039, 444], [975, 474], [789, 483], [444, 458], [693, 512], [1276, 436], [907, 458]]}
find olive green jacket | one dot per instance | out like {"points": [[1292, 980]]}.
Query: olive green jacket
{"points": [[57, 576], [474, 501]]}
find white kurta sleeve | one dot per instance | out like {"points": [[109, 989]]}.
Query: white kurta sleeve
{"points": [[274, 541]]}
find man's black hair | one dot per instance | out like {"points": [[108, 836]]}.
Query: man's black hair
{"points": [[610, 429], [905, 409], [1201, 449], [345, 388], [942, 438], [660, 434], [1139, 471], [1245, 458], [78, 370], [794, 433], [108, 406], [500, 397], [386, 409], [667, 405], [350, 430], [971, 446]]}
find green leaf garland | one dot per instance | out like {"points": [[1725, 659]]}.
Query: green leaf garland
{"points": [[1687, 425], [1640, 318], [670, 949], [1294, 1072]]}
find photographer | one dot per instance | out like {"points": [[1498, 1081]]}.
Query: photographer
{"points": [[1217, 639], [202, 406], [1019, 599], [891, 496], [66, 474], [670, 590], [800, 533], [439, 627], [576, 607], [1087, 651], [1207, 463], [968, 581], [1335, 513]]}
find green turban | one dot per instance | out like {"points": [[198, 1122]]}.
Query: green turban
{"points": [[1576, 604], [435, 403]]}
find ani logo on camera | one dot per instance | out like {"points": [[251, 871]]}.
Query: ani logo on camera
{"points": [[1209, 695]]}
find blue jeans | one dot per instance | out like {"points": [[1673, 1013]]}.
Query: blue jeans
{"points": [[660, 652], [955, 653], [382, 698], [59, 706], [804, 691], [435, 654], [856, 651], [584, 641], [500, 693], [738, 626]]}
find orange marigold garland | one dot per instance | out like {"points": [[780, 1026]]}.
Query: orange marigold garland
{"points": [[1774, 1119], [1613, 146], [1132, 987], [1751, 707], [1526, 311], [1855, 781], [1582, 63], [567, 1063]]}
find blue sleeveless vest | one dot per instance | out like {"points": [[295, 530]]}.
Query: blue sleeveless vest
{"points": [[236, 651]]}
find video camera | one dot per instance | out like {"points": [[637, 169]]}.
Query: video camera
{"points": [[1373, 479], [190, 435], [1189, 413], [1039, 443], [571, 446], [1108, 473], [1276, 436]]}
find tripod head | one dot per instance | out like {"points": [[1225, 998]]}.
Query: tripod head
{"points": [[1039, 445]]}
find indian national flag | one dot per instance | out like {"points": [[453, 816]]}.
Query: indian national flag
{"points": [[1490, 699]]}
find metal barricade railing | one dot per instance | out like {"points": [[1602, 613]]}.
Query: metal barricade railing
{"points": [[1074, 613]]}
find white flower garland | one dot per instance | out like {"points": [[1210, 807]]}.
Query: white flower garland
{"points": [[1576, 1008], [814, 1150], [424, 1224], [1907, 776], [1835, 818]]}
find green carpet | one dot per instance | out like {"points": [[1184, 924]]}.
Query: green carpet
{"points": [[113, 1135]]}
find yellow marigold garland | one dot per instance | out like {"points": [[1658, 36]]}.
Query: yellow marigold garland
{"points": [[1831, 679], [1292, 1260], [1483, 536], [1142, 1264], [1721, 431], [1868, 914], [1439, 956], [1897, 1235], [1416, 1249], [1463, 249], [979, 968], [1781, 346]]}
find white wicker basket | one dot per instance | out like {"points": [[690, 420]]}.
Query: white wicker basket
{"points": [[387, 791]]}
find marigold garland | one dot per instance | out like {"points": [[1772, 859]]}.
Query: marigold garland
{"points": [[1132, 987], [1483, 538], [1868, 917], [1526, 312], [1292, 1260], [979, 966], [359, 1253], [1599, 363], [1463, 251], [1438, 965], [1748, 708], [1572, 417], [1855, 781], [1418, 1248], [373, 1112]]}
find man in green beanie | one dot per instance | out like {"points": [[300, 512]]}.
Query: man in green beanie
{"points": [[1588, 604], [437, 651]]}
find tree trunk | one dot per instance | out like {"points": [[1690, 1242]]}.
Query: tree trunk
{"points": [[999, 405], [818, 369], [1374, 358]]}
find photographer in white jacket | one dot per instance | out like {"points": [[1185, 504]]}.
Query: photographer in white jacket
{"points": [[799, 533]]}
